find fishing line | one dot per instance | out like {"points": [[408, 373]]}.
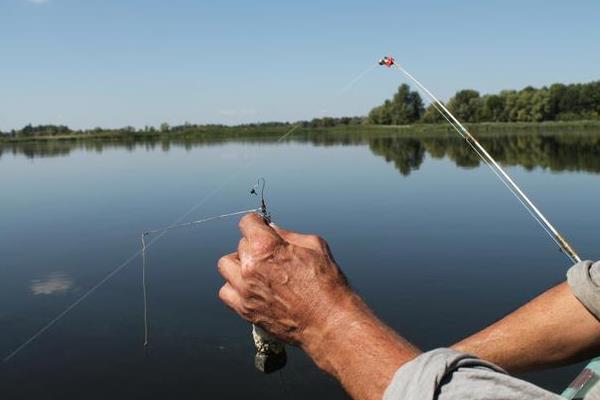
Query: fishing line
{"points": [[73, 305], [127, 261], [356, 79], [164, 230], [121, 266], [115, 271], [200, 221], [497, 169]]}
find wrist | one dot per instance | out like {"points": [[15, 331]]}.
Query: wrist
{"points": [[350, 343], [333, 325]]}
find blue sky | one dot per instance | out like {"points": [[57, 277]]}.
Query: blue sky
{"points": [[113, 63]]}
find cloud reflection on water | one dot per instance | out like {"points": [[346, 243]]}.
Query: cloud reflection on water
{"points": [[56, 282]]}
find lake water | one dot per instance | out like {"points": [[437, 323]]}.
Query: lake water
{"points": [[432, 241]]}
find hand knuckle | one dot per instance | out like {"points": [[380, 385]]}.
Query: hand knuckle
{"points": [[221, 264], [316, 240], [221, 293]]}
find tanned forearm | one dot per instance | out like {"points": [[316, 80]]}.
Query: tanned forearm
{"points": [[553, 329], [289, 284], [357, 348]]}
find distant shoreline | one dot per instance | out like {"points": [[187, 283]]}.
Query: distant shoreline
{"points": [[225, 132]]}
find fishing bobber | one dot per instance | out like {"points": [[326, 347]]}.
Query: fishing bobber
{"points": [[387, 61], [270, 352]]}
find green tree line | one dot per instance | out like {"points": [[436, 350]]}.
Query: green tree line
{"points": [[558, 102], [187, 129]]}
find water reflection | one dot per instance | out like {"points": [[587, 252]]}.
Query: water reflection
{"points": [[57, 282], [554, 152], [571, 151], [101, 210]]}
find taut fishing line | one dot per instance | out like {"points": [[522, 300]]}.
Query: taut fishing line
{"points": [[164, 230], [119, 268], [159, 234], [356, 79]]}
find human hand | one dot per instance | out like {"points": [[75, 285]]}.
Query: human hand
{"points": [[285, 282], [289, 284]]}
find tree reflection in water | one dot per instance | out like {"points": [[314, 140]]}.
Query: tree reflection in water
{"points": [[570, 151]]}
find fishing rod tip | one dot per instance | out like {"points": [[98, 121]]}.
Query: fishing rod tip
{"points": [[387, 61]]}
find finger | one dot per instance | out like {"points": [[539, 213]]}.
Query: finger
{"points": [[312, 242], [230, 297], [262, 238], [229, 268], [253, 227]]}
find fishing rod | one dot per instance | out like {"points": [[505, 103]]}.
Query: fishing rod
{"points": [[487, 158], [581, 385]]}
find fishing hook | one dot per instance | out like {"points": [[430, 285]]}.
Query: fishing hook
{"points": [[264, 213]]}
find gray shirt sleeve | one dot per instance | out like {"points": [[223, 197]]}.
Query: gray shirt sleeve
{"points": [[584, 280], [445, 374]]}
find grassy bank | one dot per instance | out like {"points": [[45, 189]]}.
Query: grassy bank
{"points": [[242, 132]]}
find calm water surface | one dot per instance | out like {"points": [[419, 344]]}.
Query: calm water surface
{"points": [[432, 241]]}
